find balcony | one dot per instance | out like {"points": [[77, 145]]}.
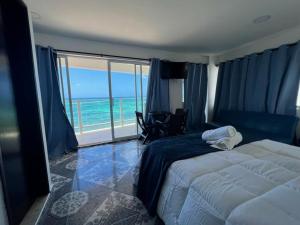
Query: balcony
{"points": [[103, 135], [93, 121]]}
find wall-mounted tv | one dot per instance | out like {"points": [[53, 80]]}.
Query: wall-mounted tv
{"points": [[173, 70]]}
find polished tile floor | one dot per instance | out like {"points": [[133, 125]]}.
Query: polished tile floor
{"points": [[94, 186]]}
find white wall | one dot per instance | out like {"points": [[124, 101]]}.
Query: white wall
{"points": [[175, 93], [268, 42], [212, 71]]}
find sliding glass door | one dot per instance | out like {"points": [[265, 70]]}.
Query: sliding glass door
{"points": [[101, 96], [123, 99]]}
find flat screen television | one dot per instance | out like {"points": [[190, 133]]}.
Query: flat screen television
{"points": [[173, 70]]}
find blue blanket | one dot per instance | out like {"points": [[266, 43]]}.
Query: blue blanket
{"points": [[157, 158]]}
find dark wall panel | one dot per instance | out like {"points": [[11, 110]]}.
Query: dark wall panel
{"points": [[22, 159]]}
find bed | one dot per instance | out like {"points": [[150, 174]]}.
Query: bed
{"points": [[257, 183], [193, 183]]}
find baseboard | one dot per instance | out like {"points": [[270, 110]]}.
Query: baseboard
{"points": [[33, 215]]}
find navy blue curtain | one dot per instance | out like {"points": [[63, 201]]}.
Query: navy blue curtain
{"points": [[59, 132], [266, 82], [158, 90], [195, 93]]}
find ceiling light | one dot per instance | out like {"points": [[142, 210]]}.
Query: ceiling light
{"points": [[35, 15], [262, 19]]}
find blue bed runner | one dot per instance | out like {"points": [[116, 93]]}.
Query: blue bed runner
{"points": [[158, 157]]}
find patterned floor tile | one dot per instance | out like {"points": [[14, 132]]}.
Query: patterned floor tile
{"points": [[125, 185], [69, 203], [94, 154], [62, 159], [106, 172], [77, 164], [96, 196], [95, 186], [120, 209], [58, 181]]}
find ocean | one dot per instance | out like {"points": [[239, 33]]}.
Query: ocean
{"points": [[94, 113]]}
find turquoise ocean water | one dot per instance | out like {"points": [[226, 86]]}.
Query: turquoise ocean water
{"points": [[94, 113]]}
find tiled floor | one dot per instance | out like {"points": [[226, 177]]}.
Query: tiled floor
{"points": [[95, 187]]}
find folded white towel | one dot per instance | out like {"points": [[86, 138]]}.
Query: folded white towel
{"points": [[227, 143], [216, 134]]}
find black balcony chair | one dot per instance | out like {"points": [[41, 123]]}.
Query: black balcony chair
{"points": [[174, 124], [149, 131], [184, 114]]}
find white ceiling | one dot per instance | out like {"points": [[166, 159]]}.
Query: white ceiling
{"points": [[177, 25]]}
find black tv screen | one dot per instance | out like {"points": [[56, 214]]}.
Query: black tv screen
{"points": [[173, 70]]}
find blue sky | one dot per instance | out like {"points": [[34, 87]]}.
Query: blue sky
{"points": [[94, 84]]}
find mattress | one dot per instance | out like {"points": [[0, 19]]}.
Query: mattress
{"points": [[234, 187]]}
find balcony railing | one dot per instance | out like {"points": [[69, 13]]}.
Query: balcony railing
{"points": [[91, 115]]}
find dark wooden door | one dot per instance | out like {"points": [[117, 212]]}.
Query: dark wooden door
{"points": [[22, 160]]}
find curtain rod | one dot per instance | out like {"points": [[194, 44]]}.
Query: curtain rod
{"points": [[258, 53], [100, 55]]}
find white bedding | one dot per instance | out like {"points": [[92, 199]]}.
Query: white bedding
{"points": [[257, 183]]}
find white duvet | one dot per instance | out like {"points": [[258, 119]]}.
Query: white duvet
{"points": [[254, 184]]}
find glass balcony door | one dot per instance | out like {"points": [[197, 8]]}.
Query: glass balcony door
{"points": [[101, 96], [124, 102], [84, 84]]}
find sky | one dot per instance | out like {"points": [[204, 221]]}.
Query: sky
{"points": [[94, 84]]}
